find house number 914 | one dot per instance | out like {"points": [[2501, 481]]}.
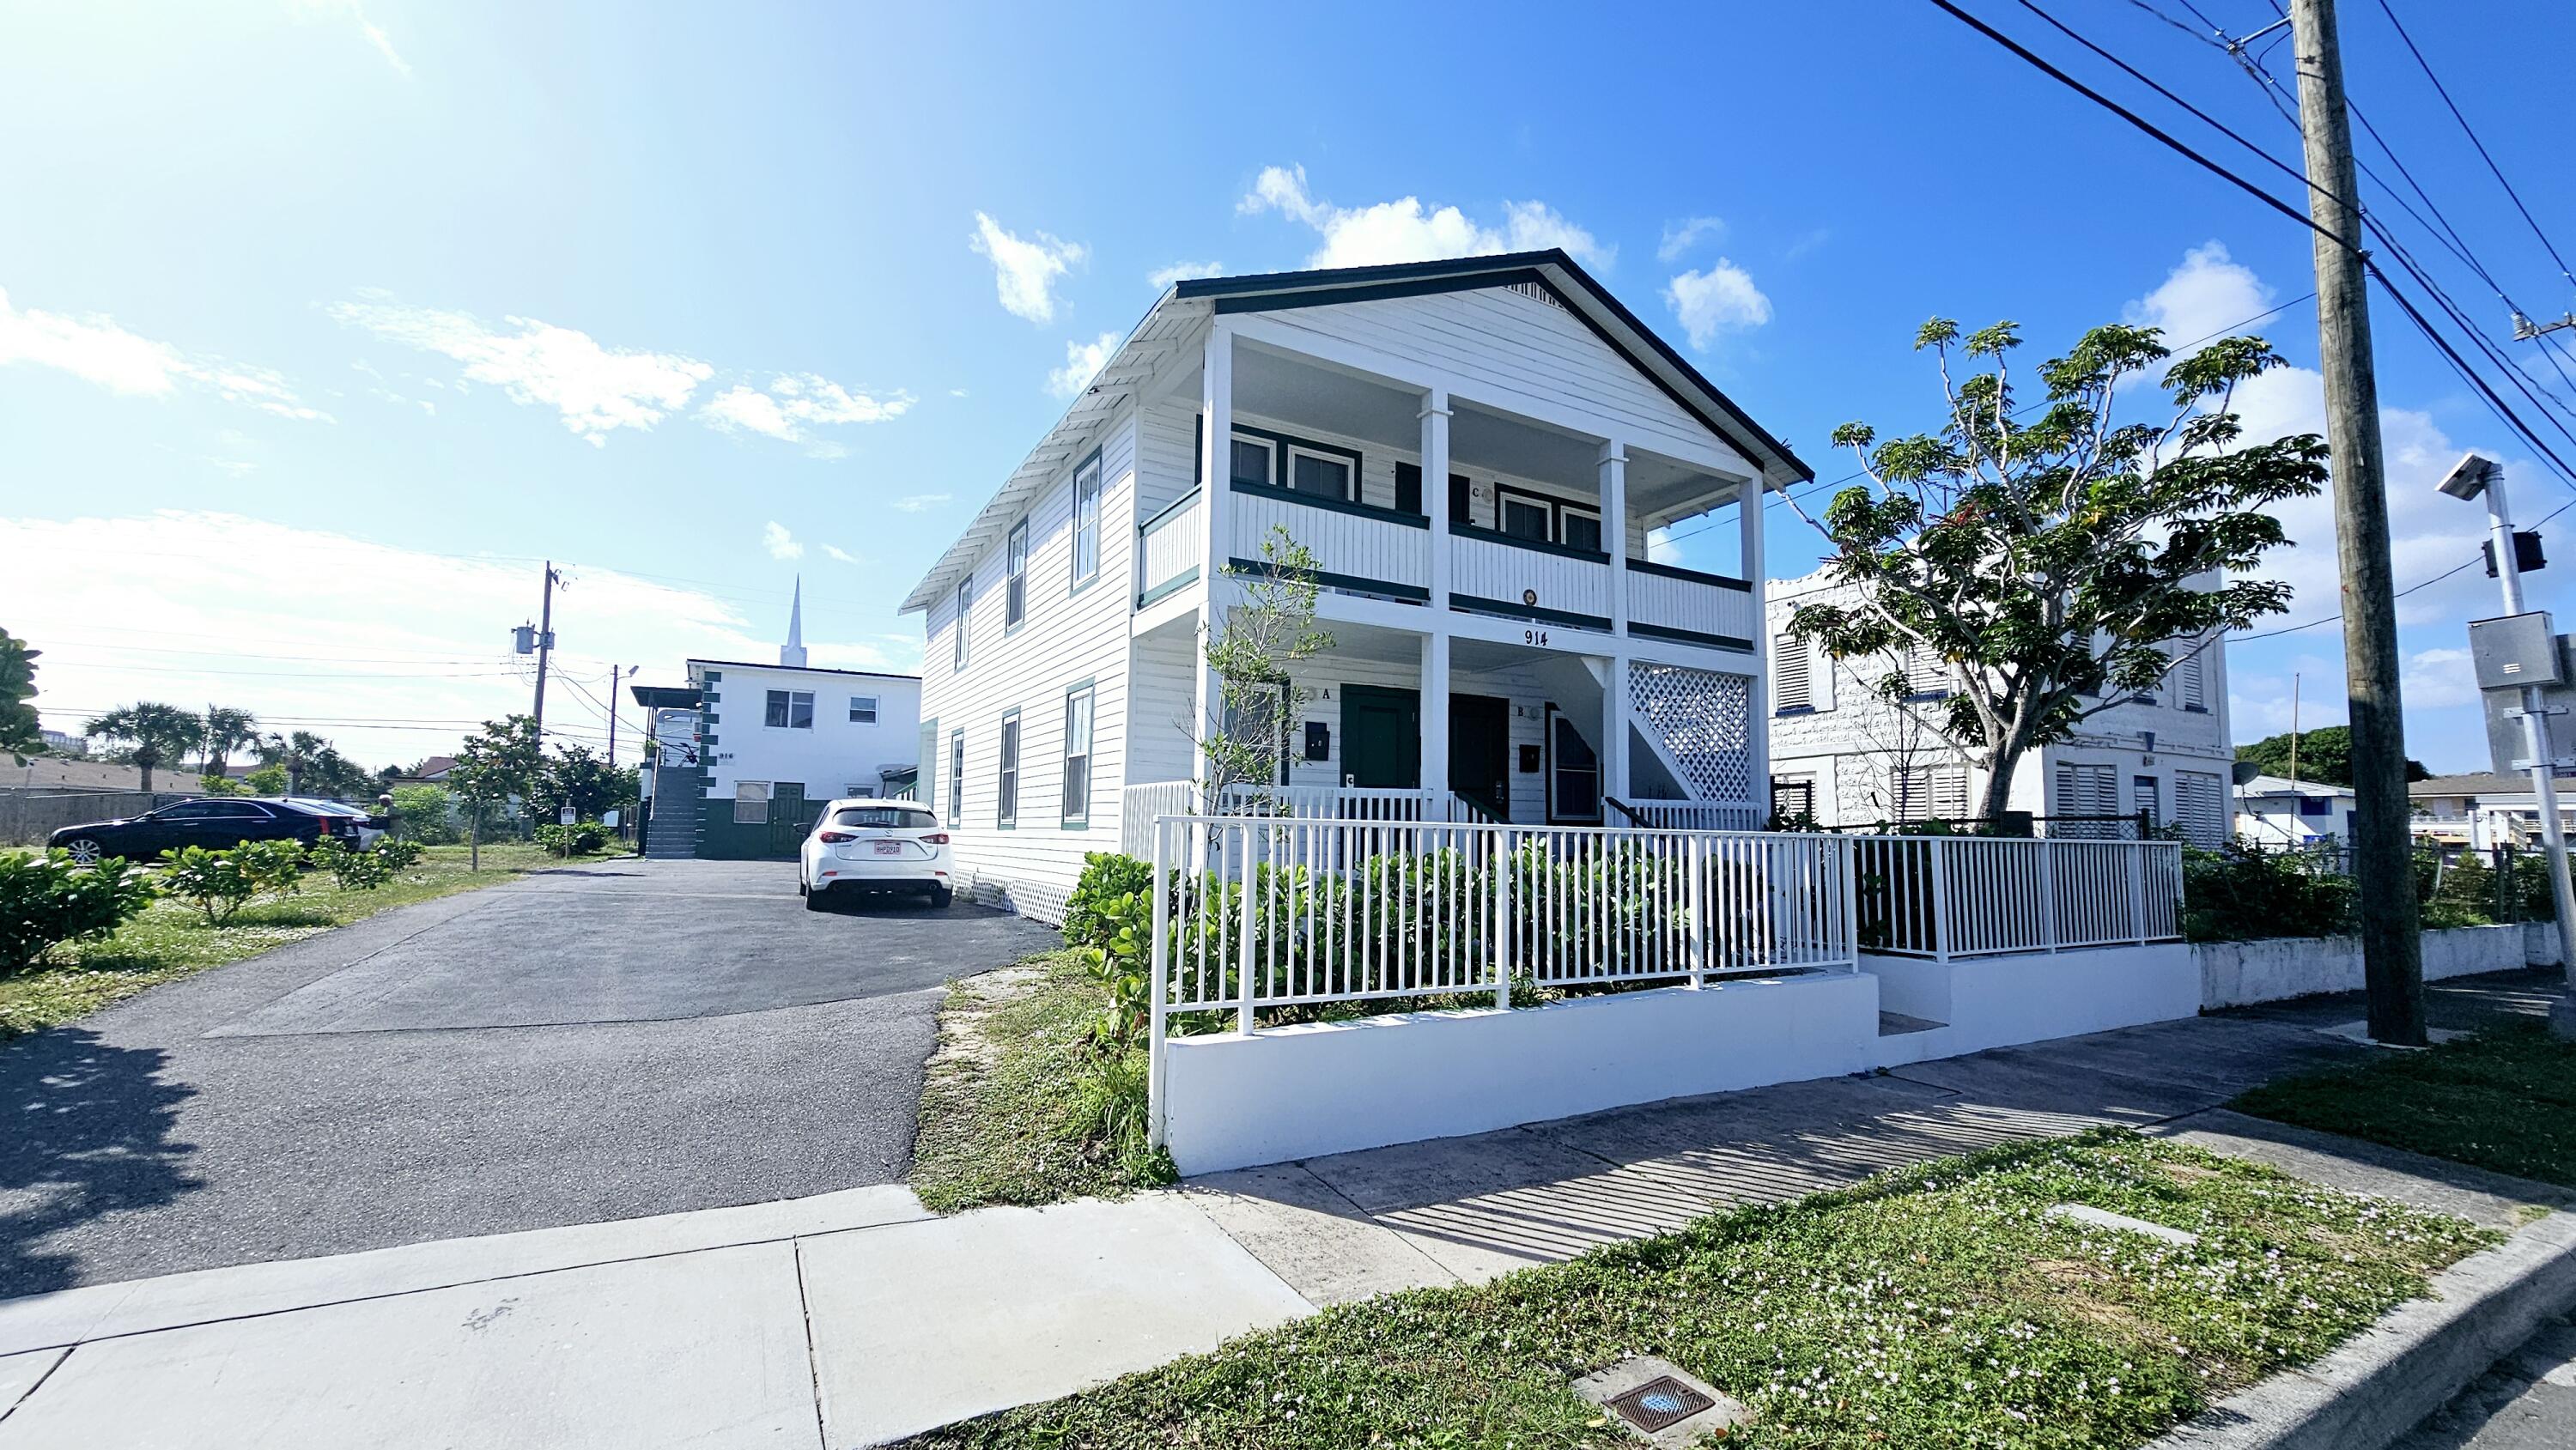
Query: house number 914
{"points": [[1534, 636]]}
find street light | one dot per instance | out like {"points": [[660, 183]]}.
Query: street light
{"points": [[2469, 479]]}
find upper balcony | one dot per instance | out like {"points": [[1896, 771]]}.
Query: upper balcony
{"points": [[1537, 523]]}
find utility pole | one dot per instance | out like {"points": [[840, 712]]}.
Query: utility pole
{"points": [[614, 677], [545, 643], [2392, 950]]}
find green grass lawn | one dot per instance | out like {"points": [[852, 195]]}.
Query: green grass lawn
{"points": [[1019, 1105], [1935, 1306], [171, 940], [2504, 1099]]}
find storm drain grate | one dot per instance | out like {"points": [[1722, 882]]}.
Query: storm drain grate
{"points": [[1659, 1402]]}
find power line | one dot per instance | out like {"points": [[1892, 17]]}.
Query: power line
{"points": [[2471, 132]]}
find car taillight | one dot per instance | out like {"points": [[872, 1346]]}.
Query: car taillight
{"points": [[838, 836], [935, 838]]}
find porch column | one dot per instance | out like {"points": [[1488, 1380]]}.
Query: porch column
{"points": [[1435, 641], [1614, 532], [1752, 509], [1216, 592], [1614, 740]]}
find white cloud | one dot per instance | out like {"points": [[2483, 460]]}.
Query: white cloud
{"points": [[375, 34], [780, 543], [913, 503], [842, 555], [596, 389], [1720, 299], [1403, 230], [1082, 362], [1660, 548], [2434, 679], [388, 634], [796, 403], [1163, 277], [2208, 294], [96, 350], [1024, 270], [1681, 236]]}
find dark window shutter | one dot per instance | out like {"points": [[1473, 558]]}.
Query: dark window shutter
{"points": [[1408, 488], [1461, 500]]}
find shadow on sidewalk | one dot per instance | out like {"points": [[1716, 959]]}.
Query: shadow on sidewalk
{"points": [[84, 1132]]}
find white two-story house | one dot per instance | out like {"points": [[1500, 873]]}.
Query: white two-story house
{"points": [[1846, 755], [1474, 452]]}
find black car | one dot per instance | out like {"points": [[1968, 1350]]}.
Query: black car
{"points": [[213, 823]]}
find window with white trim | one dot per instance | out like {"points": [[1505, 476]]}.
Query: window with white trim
{"points": [[1790, 692], [957, 777], [1086, 520], [965, 612], [1793, 797], [751, 803], [1319, 475], [1006, 784], [1250, 461], [1015, 575], [789, 710], [1077, 755], [863, 709]]}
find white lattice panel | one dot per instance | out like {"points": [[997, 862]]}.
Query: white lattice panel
{"points": [[1701, 717]]}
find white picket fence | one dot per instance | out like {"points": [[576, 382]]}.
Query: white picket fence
{"points": [[1960, 896], [1141, 805], [1254, 913]]}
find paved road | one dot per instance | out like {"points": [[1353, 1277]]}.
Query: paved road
{"points": [[612, 1041]]}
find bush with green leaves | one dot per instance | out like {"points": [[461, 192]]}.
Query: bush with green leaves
{"points": [[214, 882], [1106, 876], [46, 900], [2238, 893], [352, 870], [578, 839], [399, 853], [1120, 962], [274, 868], [425, 814]]}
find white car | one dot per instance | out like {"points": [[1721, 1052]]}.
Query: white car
{"points": [[872, 845]]}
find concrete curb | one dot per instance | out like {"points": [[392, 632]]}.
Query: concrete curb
{"points": [[2373, 1389]]}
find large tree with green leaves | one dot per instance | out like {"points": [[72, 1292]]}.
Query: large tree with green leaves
{"points": [[2324, 755], [21, 732], [505, 759], [579, 777], [2061, 564], [148, 735]]}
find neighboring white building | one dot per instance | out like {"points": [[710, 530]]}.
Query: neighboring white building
{"points": [[1854, 758], [2484, 810], [771, 745], [1474, 451], [2281, 814]]}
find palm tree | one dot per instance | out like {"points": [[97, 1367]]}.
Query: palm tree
{"points": [[298, 752], [227, 730], [155, 734]]}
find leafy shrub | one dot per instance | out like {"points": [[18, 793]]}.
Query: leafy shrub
{"points": [[273, 867], [2237, 893], [45, 900], [399, 853], [352, 870], [1106, 876], [425, 814], [579, 839], [211, 881], [1121, 964]]}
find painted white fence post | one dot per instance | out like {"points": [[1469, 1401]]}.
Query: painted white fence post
{"points": [[1243, 954], [1940, 898], [2137, 890], [1695, 855], [1155, 1108], [1502, 919], [1849, 849], [2047, 849]]}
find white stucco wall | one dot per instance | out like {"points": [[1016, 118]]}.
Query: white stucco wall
{"points": [[827, 759], [2275, 969], [1999, 1001]]}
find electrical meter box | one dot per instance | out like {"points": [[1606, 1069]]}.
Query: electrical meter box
{"points": [[2508, 747], [2516, 650]]}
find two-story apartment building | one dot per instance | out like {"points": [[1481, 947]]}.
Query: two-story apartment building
{"points": [[1474, 452], [1845, 754]]}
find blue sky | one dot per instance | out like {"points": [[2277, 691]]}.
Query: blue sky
{"points": [[325, 323]]}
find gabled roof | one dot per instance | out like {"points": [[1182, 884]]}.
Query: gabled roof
{"points": [[1178, 311]]}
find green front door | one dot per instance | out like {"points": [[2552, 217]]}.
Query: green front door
{"points": [[1480, 752], [1381, 737], [790, 818]]}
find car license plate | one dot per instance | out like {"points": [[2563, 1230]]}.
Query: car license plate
{"points": [[889, 848]]}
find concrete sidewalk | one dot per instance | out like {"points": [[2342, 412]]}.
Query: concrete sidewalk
{"points": [[854, 1317]]}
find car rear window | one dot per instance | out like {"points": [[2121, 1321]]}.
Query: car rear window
{"points": [[901, 818]]}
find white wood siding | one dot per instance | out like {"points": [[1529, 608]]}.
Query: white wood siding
{"points": [[1342, 543], [1490, 569], [1069, 635], [1689, 604], [1162, 704], [1509, 348]]}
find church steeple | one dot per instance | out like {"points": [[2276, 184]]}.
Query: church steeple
{"points": [[792, 653]]}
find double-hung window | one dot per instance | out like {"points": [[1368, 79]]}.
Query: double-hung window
{"points": [[1077, 755], [1250, 462], [1006, 809], [1319, 475], [1086, 520], [1015, 576], [1578, 528], [863, 709], [965, 613], [789, 710], [957, 777]]}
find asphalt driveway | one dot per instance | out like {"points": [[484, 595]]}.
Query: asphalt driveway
{"points": [[632, 1038]]}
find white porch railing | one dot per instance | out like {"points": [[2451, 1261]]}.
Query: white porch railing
{"points": [[1685, 601], [1488, 566], [1139, 806], [1692, 815], [1265, 913], [1168, 545], [1959, 896], [1378, 546]]}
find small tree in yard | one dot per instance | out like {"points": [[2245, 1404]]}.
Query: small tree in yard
{"points": [[154, 734], [505, 760], [2049, 564], [21, 733], [1272, 628]]}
